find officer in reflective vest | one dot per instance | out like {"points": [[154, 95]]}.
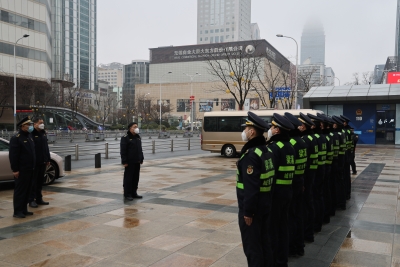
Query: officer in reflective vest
{"points": [[350, 147], [284, 161], [340, 187], [296, 229], [311, 170], [255, 173], [318, 189]]}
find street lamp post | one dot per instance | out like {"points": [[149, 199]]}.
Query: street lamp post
{"points": [[297, 58], [169, 72], [15, 84], [191, 94]]}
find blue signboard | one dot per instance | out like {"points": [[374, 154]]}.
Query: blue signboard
{"points": [[280, 93]]}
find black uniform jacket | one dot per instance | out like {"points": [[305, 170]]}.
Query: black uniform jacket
{"points": [[131, 149], [284, 159], [250, 166], [300, 148], [41, 146], [22, 152]]}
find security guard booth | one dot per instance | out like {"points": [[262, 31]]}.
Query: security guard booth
{"points": [[372, 109]]}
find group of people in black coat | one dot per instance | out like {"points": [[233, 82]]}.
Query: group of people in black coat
{"points": [[29, 155], [289, 185]]}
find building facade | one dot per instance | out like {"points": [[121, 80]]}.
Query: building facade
{"points": [[33, 53], [397, 37], [75, 41], [221, 21], [112, 76], [313, 43], [329, 76], [135, 73], [255, 32]]}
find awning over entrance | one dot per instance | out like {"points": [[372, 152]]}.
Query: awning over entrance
{"points": [[352, 93]]}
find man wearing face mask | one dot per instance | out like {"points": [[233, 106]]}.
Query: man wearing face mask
{"points": [[23, 161], [284, 161], [131, 157], [255, 172], [42, 161]]}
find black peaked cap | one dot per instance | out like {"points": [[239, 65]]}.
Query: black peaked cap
{"points": [[345, 118], [282, 122], [315, 118], [295, 121], [26, 120], [326, 118], [337, 120], [256, 121], [306, 120]]}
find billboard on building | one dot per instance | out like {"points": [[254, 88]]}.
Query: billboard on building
{"points": [[228, 104], [206, 105], [393, 77], [182, 105]]}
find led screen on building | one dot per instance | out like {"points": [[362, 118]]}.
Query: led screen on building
{"points": [[393, 77]]}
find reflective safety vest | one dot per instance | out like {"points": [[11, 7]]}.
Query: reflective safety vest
{"points": [[301, 155], [321, 150], [267, 172], [313, 152], [329, 150], [285, 171], [342, 143], [336, 144]]}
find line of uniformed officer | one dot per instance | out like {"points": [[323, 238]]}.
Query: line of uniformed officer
{"points": [[308, 156]]}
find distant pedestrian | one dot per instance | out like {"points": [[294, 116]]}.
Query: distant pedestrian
{"points": [[131, 157], [42, 161], [353, 156], [23, 161]]}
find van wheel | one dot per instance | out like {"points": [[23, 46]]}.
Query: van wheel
{"points": [[229, 151]]}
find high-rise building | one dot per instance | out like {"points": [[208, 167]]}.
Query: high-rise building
{"points": [[112, 76], [329, 76], [74, 41], [221, 21], [397, 45], [255, 32], [313, 43], [135, 73], [29, 23]]}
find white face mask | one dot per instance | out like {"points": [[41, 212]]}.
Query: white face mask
{"points": [[41, 126], [244, 136], [136, 130], [269, 133]]}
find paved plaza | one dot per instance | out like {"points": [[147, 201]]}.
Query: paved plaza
{"points": [[188, 217]]}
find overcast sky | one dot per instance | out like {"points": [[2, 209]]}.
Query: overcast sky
{"points": [[358, 33]]}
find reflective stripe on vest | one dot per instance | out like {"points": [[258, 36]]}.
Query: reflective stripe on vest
{"points": [[280, 144], [283, 182], [286, 168], [293, 142]]}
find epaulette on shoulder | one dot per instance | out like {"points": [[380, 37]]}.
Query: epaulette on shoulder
{"points": [[125, 135], [17, 135]]}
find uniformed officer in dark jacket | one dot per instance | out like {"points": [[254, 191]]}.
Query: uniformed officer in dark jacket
{"points": [[309, 175], [340, 186], [318, 189], [255, 172], [42, 161], [131, 157], [23, 161], [349, 141], [296, 229], [284, 161]]}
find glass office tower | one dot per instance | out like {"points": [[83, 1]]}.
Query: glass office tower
{"points": [[313, 43]]}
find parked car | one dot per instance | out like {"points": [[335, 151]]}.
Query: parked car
{"points": [[53, 171]]}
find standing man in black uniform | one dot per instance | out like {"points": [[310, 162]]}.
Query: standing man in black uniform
{"points": [[284, 162], [22, 160], [340, 187], [352, 162], [335, 165], [296, 229], [255, 172], [311, 170], [350, 146], [42, 161], [319, 178], [131, 157]]}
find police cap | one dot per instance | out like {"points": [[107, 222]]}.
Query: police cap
{"points": [[345, 118], [24, 121], [282, 122], [295, 121], [306, 120], [315, 118], [256, 121], [337, 120], [326, 118]]}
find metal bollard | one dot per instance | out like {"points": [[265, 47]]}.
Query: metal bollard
{"points": [[67, 163], [172, 145], [97, 160], [76, 152], [189, 144], [153, 146], [106, 154]]}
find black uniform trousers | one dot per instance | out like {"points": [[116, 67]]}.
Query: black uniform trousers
{"points": [[318, 191], [296, 229], [131, 179], [22, 191], [346, 173], [327, 194], [37, 183], [309, 212], [256, 240], [333, 185], [280, 231], [340, 185]]}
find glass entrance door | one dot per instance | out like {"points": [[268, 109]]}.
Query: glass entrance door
{"points": [[385, 126]]}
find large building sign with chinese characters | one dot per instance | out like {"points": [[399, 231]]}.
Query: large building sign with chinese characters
{"points": [[255, 48]]}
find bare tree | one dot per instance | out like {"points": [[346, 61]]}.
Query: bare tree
{"points": [[308, 77], [367, 77], [236, 69]]}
